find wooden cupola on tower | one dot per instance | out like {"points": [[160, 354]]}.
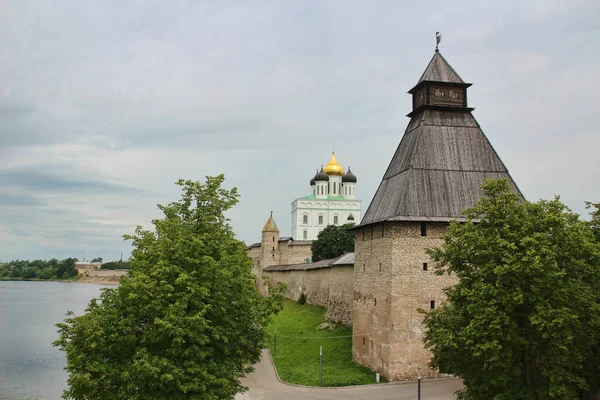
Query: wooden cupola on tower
{"points": [[439, 87]]}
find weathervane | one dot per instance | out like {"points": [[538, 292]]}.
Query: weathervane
{"points": [[438, 39]]}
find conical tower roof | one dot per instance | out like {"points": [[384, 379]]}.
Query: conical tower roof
{"points": [[439, 70], [443, 158], [270, 226]]}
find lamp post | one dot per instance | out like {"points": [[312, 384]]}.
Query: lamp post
{"points": [[321, 366], [419, 384]]}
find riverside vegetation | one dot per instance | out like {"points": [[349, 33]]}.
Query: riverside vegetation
{"points": [[39, 269], [187, 321]]}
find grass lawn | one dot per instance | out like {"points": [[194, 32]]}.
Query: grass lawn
{"points": [[297, 359]]}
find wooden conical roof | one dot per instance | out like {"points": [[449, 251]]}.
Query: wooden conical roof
{"points": [[438, 169], [439, 70]]}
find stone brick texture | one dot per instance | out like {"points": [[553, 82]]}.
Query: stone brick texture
{"points": [[391, 285], [274, 252], [330, 287]]}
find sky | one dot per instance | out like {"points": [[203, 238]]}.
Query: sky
{"points": [[104, 105]]}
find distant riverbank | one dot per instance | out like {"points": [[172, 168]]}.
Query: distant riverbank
{"points": [[113, 279]]}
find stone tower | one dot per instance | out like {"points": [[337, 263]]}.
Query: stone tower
{"points": [[270, 253], [437, 171]]}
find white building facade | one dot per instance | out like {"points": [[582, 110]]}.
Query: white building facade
{"points": [[332, 201]]}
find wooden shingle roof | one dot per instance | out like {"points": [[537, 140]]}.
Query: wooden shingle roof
{"points": [[438, 169], [439, 70]]}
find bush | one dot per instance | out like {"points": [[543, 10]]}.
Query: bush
{"points": [[302, 298]]}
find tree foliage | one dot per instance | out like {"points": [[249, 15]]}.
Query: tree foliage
{"points": [[112, 265], [333, 241], [523, 321], [97, 259], [39, 269], [186, 323]]}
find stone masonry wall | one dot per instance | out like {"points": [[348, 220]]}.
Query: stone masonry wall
{"points": [[275, 253], [331, 288], [372, 296], [388, 334]]}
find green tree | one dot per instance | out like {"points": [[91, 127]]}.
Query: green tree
{"points": [[523, 321], [186, 323], [333, 241], [595, 221], [97, 260], [66, 268]]}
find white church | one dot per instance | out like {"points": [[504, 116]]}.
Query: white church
{"points": [[332, 201]]}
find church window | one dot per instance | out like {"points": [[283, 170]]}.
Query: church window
{"points": [[320, 220], [350, 217], [423, 229], [335, 220], [305, 235], [305, 219], [432, 304]]}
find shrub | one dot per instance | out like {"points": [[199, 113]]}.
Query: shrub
{"points": [[302, 298]]}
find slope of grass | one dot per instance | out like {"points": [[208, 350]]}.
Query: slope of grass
{"points": [[297, 357]]}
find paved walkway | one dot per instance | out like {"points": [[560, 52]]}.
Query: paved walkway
{"points": [[264, 385]]}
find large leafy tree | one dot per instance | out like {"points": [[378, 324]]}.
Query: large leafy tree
{"points": [[333, 241], [186, 323], [523, 321]]}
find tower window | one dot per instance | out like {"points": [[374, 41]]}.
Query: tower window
{"points": [[320, 220], [335, 220], [379, 267], [273, 238], [305, 235], [423, 229], [305, 219], [432, 304], [424, 266], [273, 247], [375, 302]]}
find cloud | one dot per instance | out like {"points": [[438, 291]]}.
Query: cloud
{"points": [[103, 105]]}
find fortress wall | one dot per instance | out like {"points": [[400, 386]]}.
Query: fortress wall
{"points": [[331, 287]]}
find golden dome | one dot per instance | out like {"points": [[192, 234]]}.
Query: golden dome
{"points": [[334, 168]]}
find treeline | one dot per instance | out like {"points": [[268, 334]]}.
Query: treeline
{"points": [[115, 265], [39, 269]]}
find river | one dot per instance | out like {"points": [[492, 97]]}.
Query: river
{"points": [[30, 367]]}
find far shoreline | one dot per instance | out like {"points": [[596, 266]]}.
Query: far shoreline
{"points": [[102, 280]]}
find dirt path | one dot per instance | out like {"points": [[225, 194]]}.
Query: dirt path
{"points": [[264, 385]]}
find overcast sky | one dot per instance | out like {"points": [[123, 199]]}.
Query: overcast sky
{"points": [[105, 104]]}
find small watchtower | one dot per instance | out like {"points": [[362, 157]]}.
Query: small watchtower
{"points": [[436, 172]]}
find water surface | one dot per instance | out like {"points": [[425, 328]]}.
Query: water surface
{"points": [[30, 367]]}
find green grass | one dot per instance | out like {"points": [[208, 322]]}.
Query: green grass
{"points": [[297, 359]]}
